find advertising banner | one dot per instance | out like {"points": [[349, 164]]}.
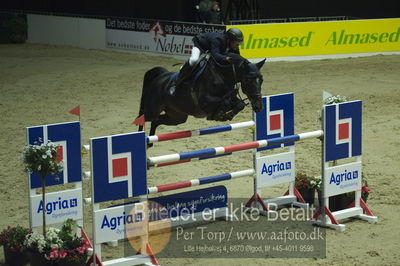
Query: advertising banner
{"points": [[275, 169], [276, 119], [172, 38], [60, 206], [118, 166], [68, 136], [343, 130], [320, 38], [116, 223], [342, 179]]}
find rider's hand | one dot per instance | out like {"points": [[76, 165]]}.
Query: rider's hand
{"points": [[228, 59]]}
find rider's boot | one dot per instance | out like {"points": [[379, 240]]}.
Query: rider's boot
{"points": [[184, 73]]}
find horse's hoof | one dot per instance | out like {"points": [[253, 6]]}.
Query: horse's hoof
{"points": [[149, 145]]}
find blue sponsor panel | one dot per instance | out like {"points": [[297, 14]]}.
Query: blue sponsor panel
{"points": [[276, 119], [191, 202], [68, 135], [343, 130], [118, 167]]}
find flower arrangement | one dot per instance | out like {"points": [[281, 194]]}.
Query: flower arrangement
{"points": [[303, 181], [13, 237], [59, 245], [316, 183], [335, 99], [38, 243], [331, 100], [41, 158], [74, 248]]}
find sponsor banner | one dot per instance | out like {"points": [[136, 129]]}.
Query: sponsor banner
{"points": [[275, 169], [165, 37], [68, 136], [118, 166], [320, 38], [115, 223], [342, 179], [59, 206], [343, 130], [187, 203], [276, 119]]}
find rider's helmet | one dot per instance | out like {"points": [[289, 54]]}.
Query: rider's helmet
{"points": [[234, 35]]}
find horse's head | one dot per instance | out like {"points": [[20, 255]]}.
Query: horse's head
{"points": [[247, 74], [251, 81]]}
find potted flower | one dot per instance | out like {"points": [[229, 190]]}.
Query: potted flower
{"points": [[12, 239], [40, 246], [305, 185], [41, 158], [335, 99], [60, 247], [73, 251]]}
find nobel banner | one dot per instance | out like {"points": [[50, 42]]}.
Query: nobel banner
{"points": [[320, 38]]}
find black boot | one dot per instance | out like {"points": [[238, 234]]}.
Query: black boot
{"points": [[184, 73]]}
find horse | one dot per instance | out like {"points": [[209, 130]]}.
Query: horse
{"points": [[211, 93]]}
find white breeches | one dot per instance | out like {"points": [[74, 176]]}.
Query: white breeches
{"points": [[195, 56]]}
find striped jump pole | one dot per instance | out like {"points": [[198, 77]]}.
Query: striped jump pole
{"points": [[199, 132], [200, 181], [176, 157], [197, 159]]}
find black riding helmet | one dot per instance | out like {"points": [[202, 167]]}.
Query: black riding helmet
{"points": [[234, 35]]}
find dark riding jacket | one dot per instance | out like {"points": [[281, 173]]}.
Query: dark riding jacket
{"points": [[213, 42]]}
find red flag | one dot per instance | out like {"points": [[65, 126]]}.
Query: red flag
{"points": [[76, 111], [139, 121]]}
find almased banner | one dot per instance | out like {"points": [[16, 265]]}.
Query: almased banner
{"points": [[154, 36], [320, 38]]}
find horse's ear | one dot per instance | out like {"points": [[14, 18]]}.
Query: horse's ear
{"points": [[261, 63]]}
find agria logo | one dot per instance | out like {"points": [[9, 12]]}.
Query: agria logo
{"points": [[276, 119], [342, 127], [58, 205], [278, 166], [118, 166]]}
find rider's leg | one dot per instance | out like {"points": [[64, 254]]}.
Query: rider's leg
{"points": [[187, 68], [195, 56]]}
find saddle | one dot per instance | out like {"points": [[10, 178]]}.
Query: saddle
{"points": [[190, 74], [224, 108]]}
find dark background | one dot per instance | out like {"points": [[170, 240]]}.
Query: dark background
{"points": [[183, 10]]}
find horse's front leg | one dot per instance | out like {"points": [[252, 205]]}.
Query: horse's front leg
{"points": [[227, 110], [236, 106]]}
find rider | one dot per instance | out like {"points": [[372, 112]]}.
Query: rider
{"points": [[215, 43]]}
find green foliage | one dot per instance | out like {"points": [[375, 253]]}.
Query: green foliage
{"points": [[308, 182], [41, 158], [14, 237], [59, 245]]}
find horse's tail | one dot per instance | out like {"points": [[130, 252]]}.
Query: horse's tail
{"points": [[146, 89]]}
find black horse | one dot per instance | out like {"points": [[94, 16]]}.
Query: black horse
{"points": [[211, 93]]}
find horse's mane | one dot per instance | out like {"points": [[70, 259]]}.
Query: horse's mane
{"points": [[236, 59]]}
